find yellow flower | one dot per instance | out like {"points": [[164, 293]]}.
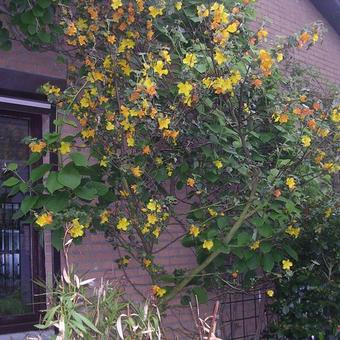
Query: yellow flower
{"points": [[71, 29], [82, 24], [104, 216], [152, 218], [154, 11], [145, 229], [262, 34], [191, 182], [86, 134], [219, 57], [190, 59], [159, 68], [185, 88], [65, 148], [335, 116], [194, 230], [147, 262], [123, 224], [291, 183], [109, 126], [270, 292], [136, 171], [202, 11], [158, 291], [287, 264], [130, 140], [207, 82], [306, 141], [315, 37], [111, 39], [207, 244], [82, 40], [279, 57], [222, 85], [44, 219], [166, 56], [158, 160], [232, 28], [218, 164], [146, 150], [178, 5], [212, 212], [157, 232], [328, 212], [125, 67], [152, 205], [124, 261], [115, 4], [323, 132], [163, 123], [255, 245], [37, 146], [293, 231], [126, 44], [76, 229], [104, 162]]}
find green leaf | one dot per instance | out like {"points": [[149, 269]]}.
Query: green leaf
{"points": [[268, 263], [78, 159], [23, 187], [291, 252], [44, 3], [222, 221], [44, 37], [86, 193], [51, 137], [27, 17], [254, 261], [265, 247], [101, 188], [185, 300], [57, 238], [52, 183], [11, 182], [12, 166], [57, 202], [243, 239], [28, 203], [34, 157], [6, 45], [188, 241], [69, 176], [86, 321], [39, 172], [201, 293], [265, 230]]}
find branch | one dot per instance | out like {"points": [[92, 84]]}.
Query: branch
{"points": [[244, 215]]}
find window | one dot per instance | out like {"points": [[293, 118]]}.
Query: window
{"points": [[22, 261]]}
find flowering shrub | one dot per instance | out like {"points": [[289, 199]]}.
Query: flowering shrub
{"points": [[171, 98]]}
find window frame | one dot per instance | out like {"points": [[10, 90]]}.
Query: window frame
{"points": [[26, 322]]}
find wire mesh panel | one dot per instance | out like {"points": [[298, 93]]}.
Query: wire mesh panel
{"points": [[243, 314], [15, 263], [9, 249]]}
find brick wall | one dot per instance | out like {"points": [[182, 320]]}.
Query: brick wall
{"points": [[285, 17]]}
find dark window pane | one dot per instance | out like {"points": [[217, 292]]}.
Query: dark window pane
{"points": [[15, 237]]}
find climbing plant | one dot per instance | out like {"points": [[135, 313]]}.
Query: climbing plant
{"points": [[179, 104]]}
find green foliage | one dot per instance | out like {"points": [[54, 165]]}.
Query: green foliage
{"points": [[80, 311], [308, 303], [31, 22]]}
